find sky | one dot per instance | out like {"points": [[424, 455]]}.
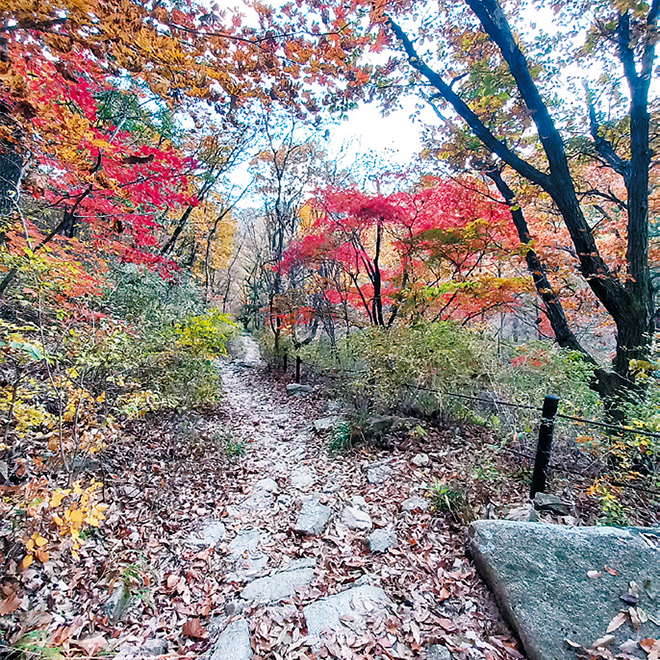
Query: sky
{"points": [[366, 130], [392, 141]]}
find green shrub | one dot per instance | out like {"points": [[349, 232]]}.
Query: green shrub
{"points": [[168, 360], [206, 335], [418, 368], [230, 445]]}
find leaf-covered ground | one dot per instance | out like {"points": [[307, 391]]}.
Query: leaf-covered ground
{"points": [[172, 475]]}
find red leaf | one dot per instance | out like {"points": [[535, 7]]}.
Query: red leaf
{"points": [[193, 628]]}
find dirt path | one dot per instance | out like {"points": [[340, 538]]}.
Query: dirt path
{"points": [[300, 527]]}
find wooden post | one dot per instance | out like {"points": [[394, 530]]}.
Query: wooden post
{"points": [[298, 363], [285, 361], [542, 460]]}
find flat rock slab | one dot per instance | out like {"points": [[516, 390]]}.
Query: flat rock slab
{"points": [[247, 542], [348, 610], [313, 517], [295, 388], [211, 532], [302, 478], [244, 551], [234, 642], [278, 586], [382, 540], [539, 574], [267, 485]]}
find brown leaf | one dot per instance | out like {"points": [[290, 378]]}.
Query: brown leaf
{"points": [[652, 648], [193, 628], [610, 570], [634, 618], [447, 624], [10, 604], [91, 645], [607, 640]]}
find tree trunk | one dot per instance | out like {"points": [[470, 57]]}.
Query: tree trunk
{"points": [[181, 225], [11, 166]]}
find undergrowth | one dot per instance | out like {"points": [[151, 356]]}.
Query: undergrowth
{"points": [[73, 372], [441, 371]]}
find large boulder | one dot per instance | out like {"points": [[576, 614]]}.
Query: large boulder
{"points": [[555, 583]]}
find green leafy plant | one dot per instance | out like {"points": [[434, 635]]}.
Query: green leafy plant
{"points": [[341, 437], [33, 644], [445, 498], [230, 445], [613, 512]]}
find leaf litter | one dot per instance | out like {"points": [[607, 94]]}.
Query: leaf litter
{"points": [[138, 578]]}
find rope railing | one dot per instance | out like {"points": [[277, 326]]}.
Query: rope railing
{"points": [[548, 412], [572, 418]]}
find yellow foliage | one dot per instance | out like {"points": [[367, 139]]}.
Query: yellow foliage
{"points": [[83, 509]]}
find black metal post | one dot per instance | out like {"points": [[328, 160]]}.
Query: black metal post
{"points": [[285, 362], [298, 361], [542, 460]]}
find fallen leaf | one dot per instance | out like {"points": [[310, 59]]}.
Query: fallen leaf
{"points": [[447, 624], [617, 622], [607, 640], [91, 645], [651, 540], [628, 646], [610, 570], [416, 632], [629, 598], [193, 628], [652, 648], [10, 604], [634, 618]]}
